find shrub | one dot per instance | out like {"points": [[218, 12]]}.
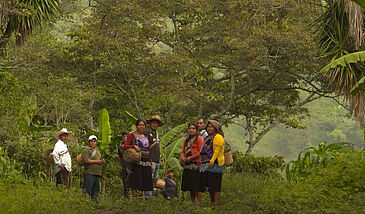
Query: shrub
{"points": [[314, 158], [257, 165]]}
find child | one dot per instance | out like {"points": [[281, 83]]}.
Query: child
{"points": [[170, 190]]}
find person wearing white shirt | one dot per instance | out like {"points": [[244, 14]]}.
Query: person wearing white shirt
{"points": [[62, 157]]}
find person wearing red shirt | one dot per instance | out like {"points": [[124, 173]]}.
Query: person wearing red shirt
{"points": [[190, 157]]}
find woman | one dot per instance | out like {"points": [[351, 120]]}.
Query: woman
{"points": [[212, 160], [141, 177], [190, 156]]}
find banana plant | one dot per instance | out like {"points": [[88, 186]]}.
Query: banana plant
{"points": [[171, 144], [104, 131]]}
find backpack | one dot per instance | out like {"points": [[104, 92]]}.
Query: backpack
{"points": [[228, 159], [80, 160], [48, 156]]}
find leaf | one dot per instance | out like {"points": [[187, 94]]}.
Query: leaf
{"points": [[345, 61], [130, 117], [104, 130], [174, 147], [173, 163], [359, 86], [169, 136]]}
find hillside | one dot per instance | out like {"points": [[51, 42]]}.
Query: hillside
{"points": [[327, 122]]}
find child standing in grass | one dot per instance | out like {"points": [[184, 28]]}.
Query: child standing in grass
{"points": [[170, 190]]}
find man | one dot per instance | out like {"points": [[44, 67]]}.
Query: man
{"points": [[93, 167], [201, 124], [154, 123], [61, 157], [124, 172]]}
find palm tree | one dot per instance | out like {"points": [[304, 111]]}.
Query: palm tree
{"points": [[340, 33], [22, 16]]}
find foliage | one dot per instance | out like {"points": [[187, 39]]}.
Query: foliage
{"points": [[9, 169], [170, 146], [340, 38], [21, 17], [104, 131], [345, 60], [313, 158], [268, 166]]}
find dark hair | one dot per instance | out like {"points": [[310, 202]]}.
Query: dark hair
{"points": [[125, 132], [200, 118], [193, 124], [140, 120]]}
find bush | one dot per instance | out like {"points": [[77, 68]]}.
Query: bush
{"points": [[312, 159], [257, 165]]}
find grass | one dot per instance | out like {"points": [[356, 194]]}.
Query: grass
{"points": [[28, 197]]}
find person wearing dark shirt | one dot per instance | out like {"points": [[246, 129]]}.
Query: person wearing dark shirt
{"points": [[124, 172], [170, 190], [154, 123]]}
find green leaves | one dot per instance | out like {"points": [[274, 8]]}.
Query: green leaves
{"points": [[312, 158], [104, 131], [171, 145], [345, 61]]}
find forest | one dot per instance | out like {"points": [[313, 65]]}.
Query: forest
{"points": [[285, 78]]}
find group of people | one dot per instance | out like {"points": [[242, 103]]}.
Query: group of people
{"points": [[202, 158], [91, 158]]}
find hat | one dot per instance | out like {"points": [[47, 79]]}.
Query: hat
{"points": [[155, 118], [92, 137], [61, 132]]}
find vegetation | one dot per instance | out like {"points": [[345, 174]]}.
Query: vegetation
{"points": [[95, 66]]}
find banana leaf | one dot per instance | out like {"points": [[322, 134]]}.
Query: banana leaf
{"points": [[174, 147], [104, 131], [130, 117], [345, 61], [173, 163], [170, 135]]}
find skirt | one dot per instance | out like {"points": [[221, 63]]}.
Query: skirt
{"points": [[190, 180], [141, 178], [211, 178]]}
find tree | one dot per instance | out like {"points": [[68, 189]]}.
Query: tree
{"points": [[341, 33], [21, 17], [233, 61]]}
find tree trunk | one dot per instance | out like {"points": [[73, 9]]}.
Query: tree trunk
{"points": [[171, 112]]}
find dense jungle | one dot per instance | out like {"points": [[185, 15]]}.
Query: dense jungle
{"points": [[285, 78]]}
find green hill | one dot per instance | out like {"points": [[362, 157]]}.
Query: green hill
{"points": [[328, 122]]}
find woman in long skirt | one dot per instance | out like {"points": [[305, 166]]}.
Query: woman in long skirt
{"points": [[212, 160], [190, 156], [141, 177]]}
